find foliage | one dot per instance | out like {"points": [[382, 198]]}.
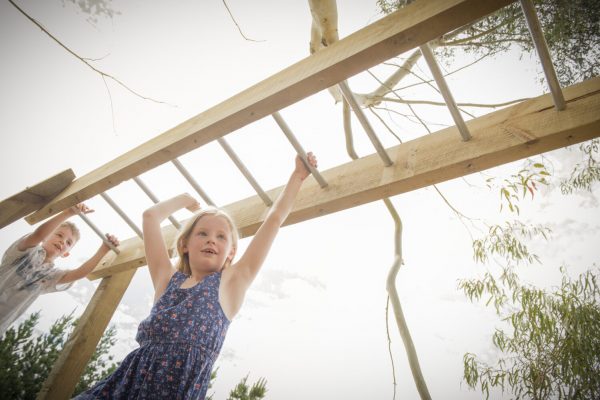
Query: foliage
{"points": [[571, 29], [242, 391], [507, 241], [554, 348], [585, 174], [572, 32], [27, 358], [517, 186], [94, 9], [213, 376]]}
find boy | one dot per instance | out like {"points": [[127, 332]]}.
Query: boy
{"points": [[27, 268]]}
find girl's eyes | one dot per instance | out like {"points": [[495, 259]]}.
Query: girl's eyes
{"points": [[219, 236]]}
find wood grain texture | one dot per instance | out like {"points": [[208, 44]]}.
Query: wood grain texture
{"points": [[418, 23], [528, 128]]}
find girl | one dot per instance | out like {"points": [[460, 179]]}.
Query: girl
{"points": [[194, 303]]}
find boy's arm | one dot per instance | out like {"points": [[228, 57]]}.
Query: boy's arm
{"points": [[157, 255], [256, 253], [90, 264], [45, 229]]}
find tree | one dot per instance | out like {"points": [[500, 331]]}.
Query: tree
{"points": [[257, 391], [572, 31], [27, 358], [554, 348]]}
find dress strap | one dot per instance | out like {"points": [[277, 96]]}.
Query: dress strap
{"points": [[176, 280]]}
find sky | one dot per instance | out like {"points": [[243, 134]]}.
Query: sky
{"points": [[313, 323]]}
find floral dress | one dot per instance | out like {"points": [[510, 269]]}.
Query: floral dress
{"points": [[179, 342]]}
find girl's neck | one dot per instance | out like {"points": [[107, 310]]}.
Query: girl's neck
{"points": [[197, 276]]}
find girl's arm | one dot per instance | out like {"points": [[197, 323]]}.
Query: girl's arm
{"points": [[90, 264], [157, 254], [45, 229], [246, 269]]}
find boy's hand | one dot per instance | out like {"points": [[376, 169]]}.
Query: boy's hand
{"points": [[112, 239], [301, 169], [80, 208]]}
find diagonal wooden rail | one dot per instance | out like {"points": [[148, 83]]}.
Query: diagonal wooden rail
{"points": [[525, 129], [405, 29], [33, 197]]}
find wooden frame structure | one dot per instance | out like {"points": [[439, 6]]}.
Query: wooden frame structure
{"points": [[525, 129]]}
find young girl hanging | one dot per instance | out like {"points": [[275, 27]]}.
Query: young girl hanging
{"points": [[194, 302]]}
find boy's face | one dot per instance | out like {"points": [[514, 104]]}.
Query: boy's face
{"points": [[59, 243]]}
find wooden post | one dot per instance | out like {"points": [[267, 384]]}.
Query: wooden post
{"points": [[82, 343]]}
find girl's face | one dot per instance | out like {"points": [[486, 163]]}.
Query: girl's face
{"points": [[210, 243]]}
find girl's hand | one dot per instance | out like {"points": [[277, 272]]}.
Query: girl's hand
{"points": [[192, 203], [301, 169]]}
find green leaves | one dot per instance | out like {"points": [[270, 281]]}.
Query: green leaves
{"points": [[518, 186], [507, 242], [585, 173], [27, 358], [242, 391], [257, 391], [571, 29], [553, 350]]}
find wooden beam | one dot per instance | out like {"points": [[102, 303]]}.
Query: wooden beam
{"points": [[410, 27], [528, 128], [82, 343], [33, 198]]}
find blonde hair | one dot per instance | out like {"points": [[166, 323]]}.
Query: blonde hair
{"points": [[183, 264], [74, 229]]}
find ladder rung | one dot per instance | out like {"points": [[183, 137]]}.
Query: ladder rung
{"points": [[445, 90], [362, 118], [298, 147]]}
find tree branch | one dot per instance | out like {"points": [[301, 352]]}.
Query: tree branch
{"points": [[423, 82], [437, 103], [236, 24], [481, 34], [83, 60]]}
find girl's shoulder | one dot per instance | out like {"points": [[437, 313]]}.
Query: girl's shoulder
{"points": [[176, 279]]}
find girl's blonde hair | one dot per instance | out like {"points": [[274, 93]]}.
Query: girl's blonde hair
{"points": [[183, 265]]}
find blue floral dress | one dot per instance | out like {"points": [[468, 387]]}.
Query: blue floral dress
{"points": [[179, 342]]}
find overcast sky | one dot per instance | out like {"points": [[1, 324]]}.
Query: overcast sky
{"points": [[313, 323]]}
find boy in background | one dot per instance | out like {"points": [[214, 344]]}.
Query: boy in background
{"points": [[27, 268]]}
